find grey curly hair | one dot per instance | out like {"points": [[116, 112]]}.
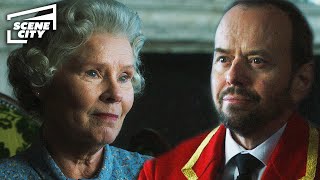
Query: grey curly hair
{"points": [[33, 65]]}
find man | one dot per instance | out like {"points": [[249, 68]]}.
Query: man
{"points": [[261, 71]]}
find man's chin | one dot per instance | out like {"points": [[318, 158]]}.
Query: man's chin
{"points": [[235, 115], [240, 123], [241, 130]]}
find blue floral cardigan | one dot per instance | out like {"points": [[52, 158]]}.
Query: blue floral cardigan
{"points": [[36, 163]]}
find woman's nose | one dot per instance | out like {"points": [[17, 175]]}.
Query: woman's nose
{"points": [[112, 93]]}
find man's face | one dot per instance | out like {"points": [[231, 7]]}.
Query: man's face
{"points": [[251, 70]]}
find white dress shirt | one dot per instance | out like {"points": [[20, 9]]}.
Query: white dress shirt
{"points": [[261, 152]]}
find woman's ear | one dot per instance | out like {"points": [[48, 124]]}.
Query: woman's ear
{"points": [[302, 82]]}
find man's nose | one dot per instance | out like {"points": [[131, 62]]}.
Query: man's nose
{"points": [[238, 73]]}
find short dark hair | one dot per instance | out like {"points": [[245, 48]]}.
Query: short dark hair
{"points": [[302, 37]]}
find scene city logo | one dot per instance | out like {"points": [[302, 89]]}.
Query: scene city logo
{"points": [[33, 27]]}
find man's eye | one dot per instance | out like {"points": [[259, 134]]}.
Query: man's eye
{"points": [[92, 73], [257, 60], [222, 59]]}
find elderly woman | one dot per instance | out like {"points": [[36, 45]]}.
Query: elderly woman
{"points": [[80, 81]]}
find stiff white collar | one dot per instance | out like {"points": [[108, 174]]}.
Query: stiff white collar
{"points": [[261, 152]]}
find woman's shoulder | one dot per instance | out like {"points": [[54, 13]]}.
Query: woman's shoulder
{"points": [[16, 167], [122, 154], [125, 164]]}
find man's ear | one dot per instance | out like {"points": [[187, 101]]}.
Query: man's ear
{"points": [[302, 82], [38, 92]]}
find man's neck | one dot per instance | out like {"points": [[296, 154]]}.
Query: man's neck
{"points": [[257, 137]]}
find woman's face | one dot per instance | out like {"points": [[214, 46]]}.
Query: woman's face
{"points": [[92, 92]]}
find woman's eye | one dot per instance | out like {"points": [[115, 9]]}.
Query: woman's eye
{"points": [[124, 78], [92, 73]]}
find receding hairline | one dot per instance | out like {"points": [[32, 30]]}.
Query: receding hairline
{"points": [[302, 36], [264, 6], [284, 6]]}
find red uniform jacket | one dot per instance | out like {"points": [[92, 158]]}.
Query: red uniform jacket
{"points": [[296, 156]]}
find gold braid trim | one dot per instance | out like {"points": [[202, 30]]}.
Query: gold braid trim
{"points": [[187, 168], [312, 156]]}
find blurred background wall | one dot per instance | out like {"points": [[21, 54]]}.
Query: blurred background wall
{"points": [[177, 61]]}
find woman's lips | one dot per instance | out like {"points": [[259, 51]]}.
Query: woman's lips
{"points": [[106, 116]]}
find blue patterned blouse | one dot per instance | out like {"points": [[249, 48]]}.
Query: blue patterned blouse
{"points": [[36, 163]]}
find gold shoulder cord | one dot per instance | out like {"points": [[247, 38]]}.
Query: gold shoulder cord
{"points": [[312, 156], [187, 168]]}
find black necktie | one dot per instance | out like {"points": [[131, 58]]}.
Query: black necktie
{"points": [[247, 164]]}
